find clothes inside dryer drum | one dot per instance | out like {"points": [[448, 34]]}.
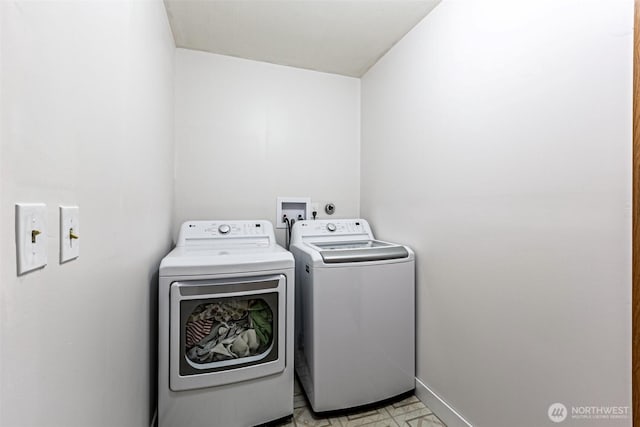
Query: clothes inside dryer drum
{"points": [[197, 330], [221, 331]]}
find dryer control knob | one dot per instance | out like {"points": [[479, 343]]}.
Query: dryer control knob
{"points": [[224, 229], [331, 227]]}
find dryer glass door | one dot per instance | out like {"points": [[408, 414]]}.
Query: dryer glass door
{"points": [[223, 331]]}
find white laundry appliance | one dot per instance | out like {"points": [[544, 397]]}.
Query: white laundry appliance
{"points": [[225, 338], [355, 314]]}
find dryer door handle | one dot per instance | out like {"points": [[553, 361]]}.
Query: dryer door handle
{"points": [[189, 290]]}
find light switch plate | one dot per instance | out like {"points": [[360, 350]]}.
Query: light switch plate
{"points": [[31, 236], [69, 233]]}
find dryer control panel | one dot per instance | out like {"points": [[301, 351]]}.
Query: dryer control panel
{"points": [[258, 232]]}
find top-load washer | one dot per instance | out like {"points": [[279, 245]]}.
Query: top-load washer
{"points": [[355, 314], [225, 338]]}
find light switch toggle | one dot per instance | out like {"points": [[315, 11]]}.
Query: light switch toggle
{"points": [[69, 233], [34, 233]]}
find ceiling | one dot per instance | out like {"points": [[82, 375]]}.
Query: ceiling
{"points": [[336, 36]]}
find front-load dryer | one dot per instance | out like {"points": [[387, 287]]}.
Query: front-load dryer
{"points": [[355, 314], [225, 338]]}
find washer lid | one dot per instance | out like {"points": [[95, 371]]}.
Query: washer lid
{"points": [[359, 251]]}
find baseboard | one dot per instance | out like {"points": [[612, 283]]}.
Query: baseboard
{"points": [[439, 407]]}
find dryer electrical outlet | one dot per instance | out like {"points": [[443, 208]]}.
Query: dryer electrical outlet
{"points": [[31, 236], [69, 233], [296, 208]]}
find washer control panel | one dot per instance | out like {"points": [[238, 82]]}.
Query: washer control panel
{"points": [[333, 227]]}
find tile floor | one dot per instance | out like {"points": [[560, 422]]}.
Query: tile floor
{"points": [[407, 412]]}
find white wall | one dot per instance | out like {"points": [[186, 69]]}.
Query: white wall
{"points": [[248, 132], [87, 119], [496, 140]]}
